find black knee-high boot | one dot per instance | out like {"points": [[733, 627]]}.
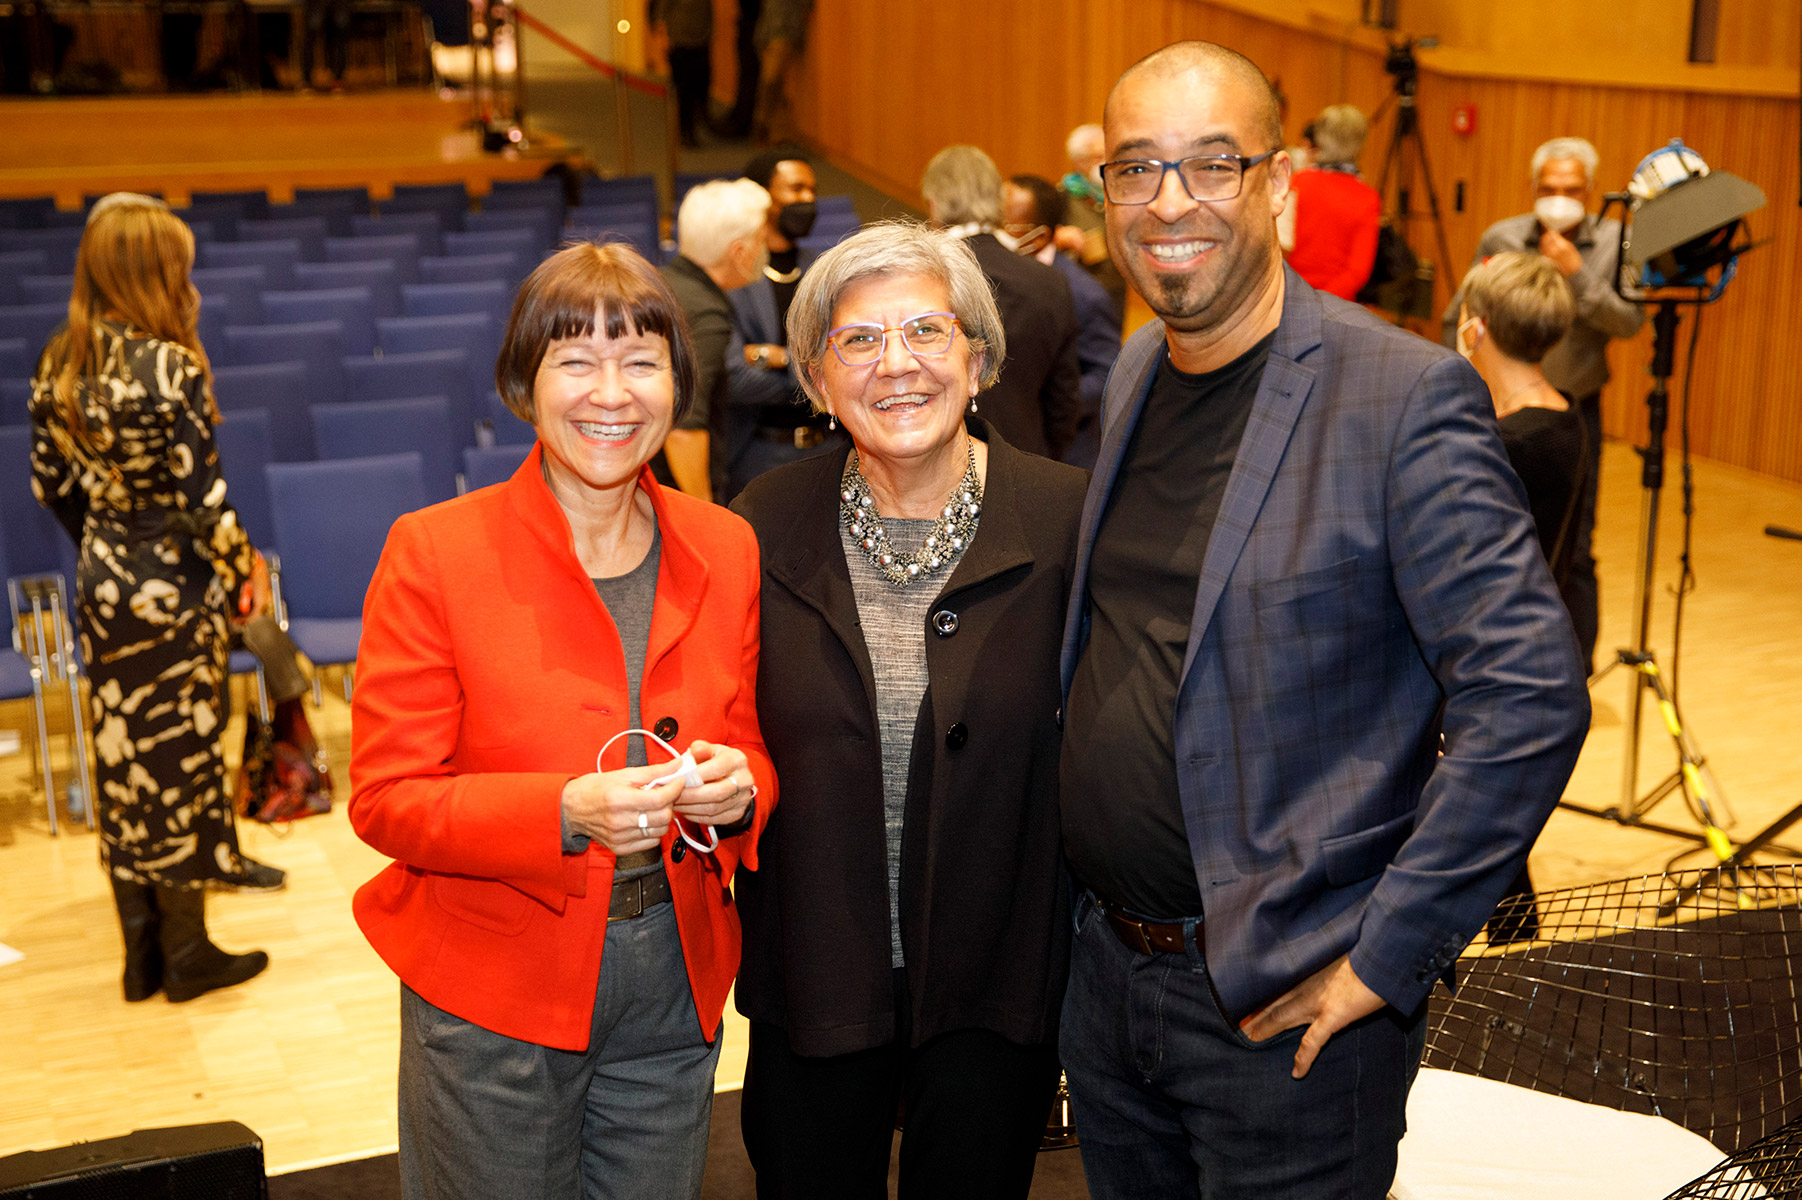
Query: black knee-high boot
{"points": [[136, 903], [192, 965]]}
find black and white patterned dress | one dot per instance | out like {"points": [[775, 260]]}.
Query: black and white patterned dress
{"points": [[161, 554]]}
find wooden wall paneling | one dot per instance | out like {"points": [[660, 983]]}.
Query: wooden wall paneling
{"points": [[1015, 77]]}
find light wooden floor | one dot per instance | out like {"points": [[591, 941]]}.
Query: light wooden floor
{"points": [[305, 1054]]}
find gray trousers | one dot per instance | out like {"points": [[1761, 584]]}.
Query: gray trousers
{"points": [[488, 1117]]}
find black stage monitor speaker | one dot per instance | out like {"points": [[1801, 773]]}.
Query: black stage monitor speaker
{"points": [[220, 1161]]}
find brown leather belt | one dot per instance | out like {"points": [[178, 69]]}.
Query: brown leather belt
{"points": [[1148, 937], [631, 897]]}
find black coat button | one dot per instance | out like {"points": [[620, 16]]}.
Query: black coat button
{"points": [[1060, 718], [679, 851], [665, 728], [956, 736], [945, 622]]}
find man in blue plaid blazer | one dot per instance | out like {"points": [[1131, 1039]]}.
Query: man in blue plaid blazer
{"points": [[1321, 694]]}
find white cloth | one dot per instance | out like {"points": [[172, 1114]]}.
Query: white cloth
{"points": [[1476, 1139]]}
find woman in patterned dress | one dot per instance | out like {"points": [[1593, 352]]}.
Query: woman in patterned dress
{"points": [[122, 412]]}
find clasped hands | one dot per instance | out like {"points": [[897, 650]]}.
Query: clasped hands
{"points": [[616, 809], [1326, 1002]]}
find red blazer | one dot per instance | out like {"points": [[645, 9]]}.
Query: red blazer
{"points": [[489, 674], [1336, 220]]}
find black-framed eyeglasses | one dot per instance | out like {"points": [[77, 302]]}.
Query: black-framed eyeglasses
{"points": [[928, 335], [1206, 177]]}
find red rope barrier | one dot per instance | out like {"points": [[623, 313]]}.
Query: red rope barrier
{"points": [[647, 86]]}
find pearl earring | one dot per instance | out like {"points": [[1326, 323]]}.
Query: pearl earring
{"points": [[832, 421]]}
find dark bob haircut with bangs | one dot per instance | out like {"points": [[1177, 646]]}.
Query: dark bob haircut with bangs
{"points": [[562, 298]]}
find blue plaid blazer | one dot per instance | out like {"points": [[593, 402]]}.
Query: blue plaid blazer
{"points": [[1372, 580]]}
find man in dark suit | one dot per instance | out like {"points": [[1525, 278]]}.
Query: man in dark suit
{"points": [[1303, 560], [1037, 402], [1030, 210], [768, 422]]}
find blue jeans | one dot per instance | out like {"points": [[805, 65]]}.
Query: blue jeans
{"points": [[1170, 1099], [488, 1117]]}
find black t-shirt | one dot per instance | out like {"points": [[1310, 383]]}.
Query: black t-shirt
{"points": [[782, 262], [1122, 816], [1546, 447]]}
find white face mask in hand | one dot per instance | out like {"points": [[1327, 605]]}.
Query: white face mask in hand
{"points": [[1558, 212], [684, 770]]}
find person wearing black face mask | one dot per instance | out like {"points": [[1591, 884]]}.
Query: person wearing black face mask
{"points": [[768, 421]]}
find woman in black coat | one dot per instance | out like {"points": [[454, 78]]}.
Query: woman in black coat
{"points": [[906, 936]]}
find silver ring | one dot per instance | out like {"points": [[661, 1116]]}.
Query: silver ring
{"points": [[644, 823]]}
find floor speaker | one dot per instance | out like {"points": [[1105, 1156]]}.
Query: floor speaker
{"points": [[219, 1161]]}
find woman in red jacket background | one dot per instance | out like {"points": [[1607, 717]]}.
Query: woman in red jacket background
{"points": [[1337, 214], [510, 637]]}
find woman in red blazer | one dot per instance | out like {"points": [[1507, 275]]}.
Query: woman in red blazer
{"points": [[510, 638]]}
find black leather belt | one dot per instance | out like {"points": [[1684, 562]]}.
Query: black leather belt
{"points": [[631, 897], [801, 437], [1148, 937]]}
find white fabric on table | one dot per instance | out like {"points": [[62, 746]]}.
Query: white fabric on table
{"points": [[1477, 1139]]}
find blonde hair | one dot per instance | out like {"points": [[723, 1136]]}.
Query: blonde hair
{"points": [[131, 268], [963, 185], [1524, 301], [1339, 134]]}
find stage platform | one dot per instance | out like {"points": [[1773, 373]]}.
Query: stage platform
{"points": [[279, 141]]}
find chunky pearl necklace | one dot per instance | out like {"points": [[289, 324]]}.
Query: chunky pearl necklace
{"points": [[955, 527]]}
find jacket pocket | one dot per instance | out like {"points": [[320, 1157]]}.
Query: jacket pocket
{"points": [[1354, 856], [485, 903], [1304, 583]]}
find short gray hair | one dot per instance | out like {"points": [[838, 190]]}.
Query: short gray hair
{"points": [[1567, 147], [1339, 134], [963, 185], [716, 214], [885, 249], [1086, 141]]}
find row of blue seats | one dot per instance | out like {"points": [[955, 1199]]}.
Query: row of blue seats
{"points": [[52, 251], [328, 551], [449, 200]]}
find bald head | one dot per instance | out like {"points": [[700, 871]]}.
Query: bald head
{"points": [[1210, 64]]}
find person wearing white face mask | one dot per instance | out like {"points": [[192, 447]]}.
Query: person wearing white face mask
{"points": [[1585, 249]]}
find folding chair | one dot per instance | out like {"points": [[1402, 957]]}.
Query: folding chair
{"points": [[279, 391], [39, 561], [33, 323], [420, 425], [424, 373], [478, 333], [56, 245], [352, 307], [17, 359], [444, 299], [330, 549], [277, 258], [380, 276], [485, 465], [310, 232], [401, 249], [46, 289], [473, 268], [427, 227], [244, 286]]}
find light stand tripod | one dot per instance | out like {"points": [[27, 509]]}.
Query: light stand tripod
{"points": [[1691, 775], [1406, 149]]}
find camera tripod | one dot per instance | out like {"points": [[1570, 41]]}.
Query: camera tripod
{"points": [[1406, 152]]}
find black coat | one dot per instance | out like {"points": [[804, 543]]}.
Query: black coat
{"points": [[1037, 402], [985, 920]]}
